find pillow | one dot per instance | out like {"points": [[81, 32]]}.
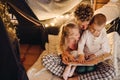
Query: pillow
{"points": [[52, 45], [114, 39], [43, 74]]}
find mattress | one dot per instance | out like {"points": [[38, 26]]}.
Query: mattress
{"points": [[38, 72]]}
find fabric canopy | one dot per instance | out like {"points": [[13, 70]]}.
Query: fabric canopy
{"points": [[46, 9]]}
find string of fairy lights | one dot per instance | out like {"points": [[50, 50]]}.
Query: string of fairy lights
{"points": [[10, 24], [10, 27], [58, 20]]}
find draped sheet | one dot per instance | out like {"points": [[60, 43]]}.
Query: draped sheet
{"points": [[46, 9], [111, 10]]}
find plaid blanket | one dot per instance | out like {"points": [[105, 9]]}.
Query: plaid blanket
{"points": [[53, 63], [104, 71]]}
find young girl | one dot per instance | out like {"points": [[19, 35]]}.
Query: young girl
{"points": [[69, 36]]}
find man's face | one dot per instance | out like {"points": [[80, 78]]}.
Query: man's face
{"points": [[82, 25]]}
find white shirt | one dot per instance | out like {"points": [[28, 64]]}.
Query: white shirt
{"points": [[95, 45]]}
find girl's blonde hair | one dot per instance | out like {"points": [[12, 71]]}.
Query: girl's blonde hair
{"points": [[64, 33]]}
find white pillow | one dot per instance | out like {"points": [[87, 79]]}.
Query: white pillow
{"points": [[53, 43], [114, 39]]}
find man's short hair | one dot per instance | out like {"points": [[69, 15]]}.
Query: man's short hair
{"points": [[83, 12]]}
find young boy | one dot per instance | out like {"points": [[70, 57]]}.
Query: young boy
{"points": [[94, 41]]}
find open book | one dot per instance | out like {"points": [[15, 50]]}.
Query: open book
{"points": [[93, 61]]}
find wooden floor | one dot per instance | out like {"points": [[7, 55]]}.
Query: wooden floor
{"points": [[29, 54]]}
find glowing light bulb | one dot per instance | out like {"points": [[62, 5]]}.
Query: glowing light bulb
{"points": [[67, 16], [46, 25], [61, 16], [52, 24]]}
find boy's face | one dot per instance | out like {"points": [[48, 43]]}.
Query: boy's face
{"points": [[96, 30], [82, 25]]}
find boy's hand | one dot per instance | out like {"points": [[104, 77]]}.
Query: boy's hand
{"points": [[90, 56], [81, 58], [92, 61]]}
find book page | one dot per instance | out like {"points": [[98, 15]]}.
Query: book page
{"points": [[93, 61]]}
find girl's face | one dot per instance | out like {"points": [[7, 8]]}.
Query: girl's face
{"points": [[96, 30], [82, 25], [73, 38]]}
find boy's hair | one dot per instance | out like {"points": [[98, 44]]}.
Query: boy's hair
{"points": [[98, 19], [83, 12], [64, 33]]}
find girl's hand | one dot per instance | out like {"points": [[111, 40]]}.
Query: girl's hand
{"points": [[81, 58], [65, 59], [71, 58]]}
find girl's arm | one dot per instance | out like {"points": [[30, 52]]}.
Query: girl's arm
{"points": [[67, 57]]}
